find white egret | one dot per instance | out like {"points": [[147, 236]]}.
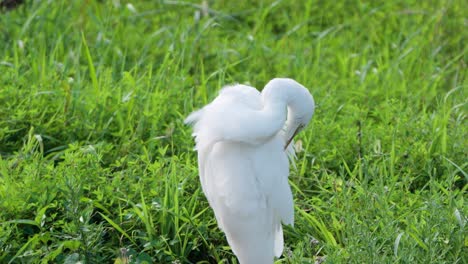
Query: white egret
{"points": [[243, 142]]}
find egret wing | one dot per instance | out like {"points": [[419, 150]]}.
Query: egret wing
{"points": [[241, 207], [232, 106], [248, 189], [271, 166]]}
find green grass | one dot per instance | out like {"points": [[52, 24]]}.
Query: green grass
{"points": [[96, 164]]}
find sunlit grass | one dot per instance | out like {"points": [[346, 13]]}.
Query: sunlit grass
{"points": [[97, 166]]}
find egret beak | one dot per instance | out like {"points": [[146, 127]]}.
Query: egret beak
{"points": [[292, 137]]}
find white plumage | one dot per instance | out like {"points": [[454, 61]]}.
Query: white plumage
{"points": [[243, 162]]}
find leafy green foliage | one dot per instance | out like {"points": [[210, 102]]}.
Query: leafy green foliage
{"points": [[96, 164]]}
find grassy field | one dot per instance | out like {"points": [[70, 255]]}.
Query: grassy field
{"points": [[97, 166]]}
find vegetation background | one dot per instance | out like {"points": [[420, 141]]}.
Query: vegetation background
{"points": [[96, 165]]}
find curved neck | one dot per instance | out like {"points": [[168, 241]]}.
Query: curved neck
{"points": [[275, 113], [276, 100], [287, 102]]}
